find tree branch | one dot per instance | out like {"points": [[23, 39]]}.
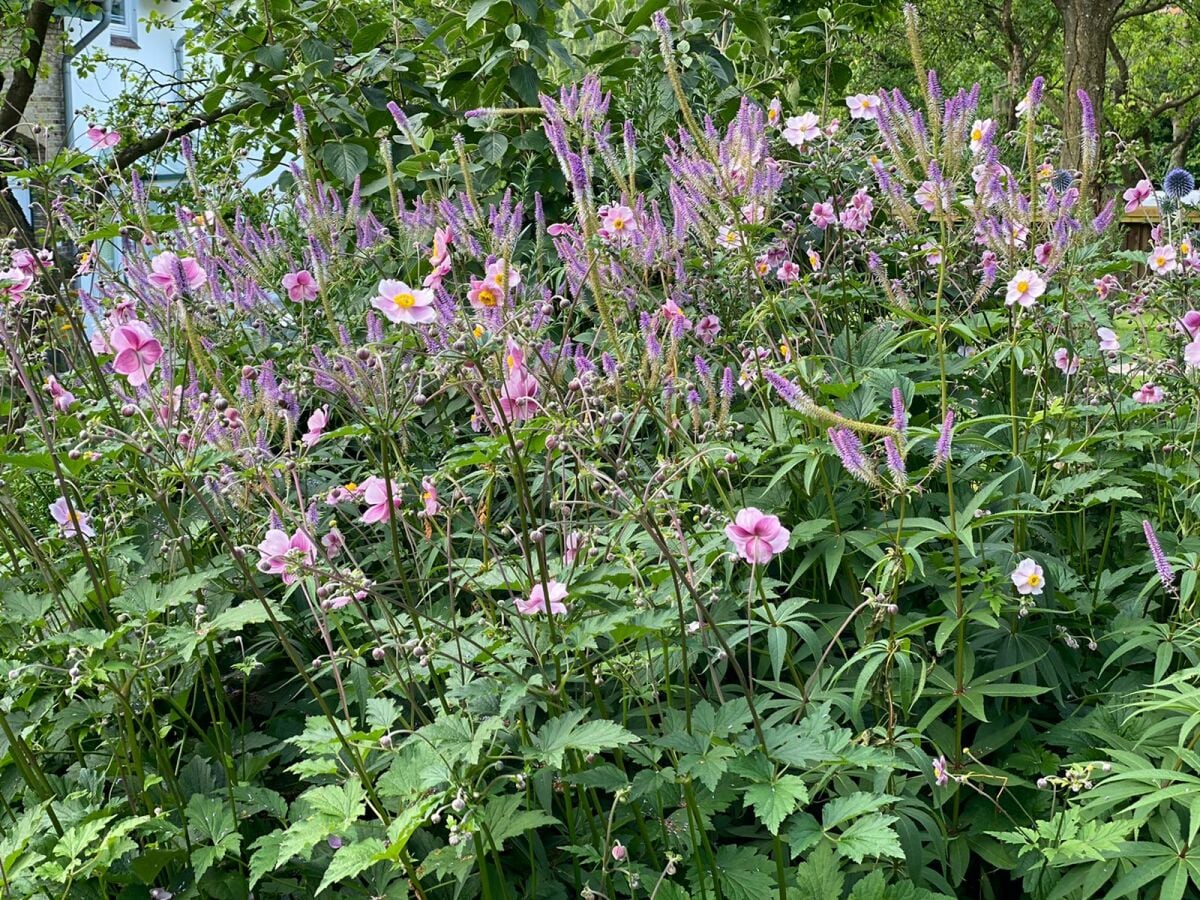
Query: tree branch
{"points": [[163, 136], [20, 89], [1121, 85], [1145, 9], [1169, 105]]}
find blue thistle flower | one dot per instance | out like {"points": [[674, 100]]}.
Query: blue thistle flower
{"points": [[1178, 184], [1061, 180]]}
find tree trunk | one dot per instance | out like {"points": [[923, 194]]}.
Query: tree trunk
{"points": [[1087, 27]]}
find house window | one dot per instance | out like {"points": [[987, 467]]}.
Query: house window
{"points": [[123, 17]]}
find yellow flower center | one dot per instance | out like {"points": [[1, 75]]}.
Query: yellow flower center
{"points": [[1034, 580], [1160, 260], [487, 297], [477, 331], [1022, 286], [352, 486], [977, 134], [404, 300], [618, 224]]}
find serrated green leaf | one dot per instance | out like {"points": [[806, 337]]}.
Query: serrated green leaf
{"points": [[775, 801], [350, 861]]}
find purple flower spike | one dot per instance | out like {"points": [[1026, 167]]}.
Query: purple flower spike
{"points": [[1161, 564]]}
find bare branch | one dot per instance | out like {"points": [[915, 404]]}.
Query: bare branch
{"points": [[163, 136]]}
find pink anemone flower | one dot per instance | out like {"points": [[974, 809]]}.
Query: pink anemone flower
{"points": [[756, 536]]}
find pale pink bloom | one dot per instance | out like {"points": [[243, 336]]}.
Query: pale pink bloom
{"points": [[857, 216], [429, 497], [708, 328], [1162, 260], [560, 228], [32, 263], [1026, 286], [799, 130], [437, 273], [729, 237], [166, 412], [1137, 195], [99, 338], [61, 397], [675, 316], [167, 269], [757, 537], [978, 130], [814, 259], [1189, 323], [1108, 340], [774, 112], [933, 253], [124, 311], [762, 265], [552, 594], [137, 351], [24, 260], [926, 196], [833, 127], [286, 556], [822, 214], [400, 303], [71, 521], [496, 274], [1018, 234], [1104, 286], [754, 213], [14, 283], [300, 286], [1066, 363], [788, 271], [572, 546], [316, 425], [518, 396], [1191, 354], [375, 495], [484, 294], [863, 106], [941, 771], [619, 221], [1149, 393], [102, 138], [1028, 578], [1043, 253], [442, 239], [334, 542]]}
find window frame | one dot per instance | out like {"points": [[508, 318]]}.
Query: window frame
{"points": [[128, 27]]}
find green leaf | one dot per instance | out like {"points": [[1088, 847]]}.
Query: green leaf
{"points": [[524, 80], [479, 9], [493, 146], [345, 161], [237, 618], [775, 801], [745, 873], [343, 804], [505, 819], [566, 732], [871, 835], [819, 877], [351, 860], [842, 809]]}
